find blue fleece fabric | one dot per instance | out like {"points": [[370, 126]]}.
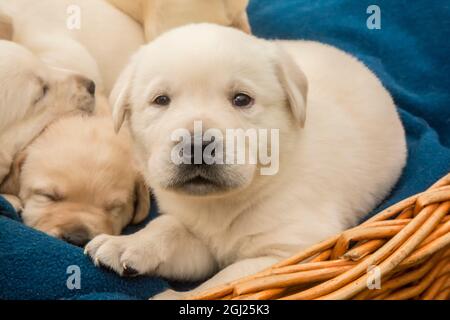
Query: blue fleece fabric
{"points": [[410, 54]]}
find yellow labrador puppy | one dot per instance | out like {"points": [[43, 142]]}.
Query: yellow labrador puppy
{"points": [[77, 181], [334, 164], [32, 96], [158, 16]]}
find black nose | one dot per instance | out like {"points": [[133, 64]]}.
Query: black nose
{"points": [[90, 86], [78, 236], [197, 147]]}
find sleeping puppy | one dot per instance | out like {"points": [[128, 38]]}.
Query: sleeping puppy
{"points": [[96, 195], [230, 219], [77, 181], [158, 16], [33, 95]]}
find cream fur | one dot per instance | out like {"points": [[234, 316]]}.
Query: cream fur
{"points": [[99, 49], [25, 107], [335, 170], [158, 16]]}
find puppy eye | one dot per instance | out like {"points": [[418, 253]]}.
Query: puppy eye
{"points": [[51, 197], [242, 100], [162, 101]]}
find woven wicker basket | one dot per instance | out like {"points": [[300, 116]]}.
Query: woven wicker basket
{"points": [[408, 243]]}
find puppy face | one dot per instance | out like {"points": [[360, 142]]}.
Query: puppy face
{"points": [[220, 76], [77, 181], [32, 92]]}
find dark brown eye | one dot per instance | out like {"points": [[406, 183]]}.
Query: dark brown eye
{"points": [[242, 100], [162, 101]]}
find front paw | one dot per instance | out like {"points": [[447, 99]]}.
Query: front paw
{"points": [[15, 202], [169, 295], [126, 255]]}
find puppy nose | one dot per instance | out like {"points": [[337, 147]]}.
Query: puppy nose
{"points": [[78, 236], [202, 145], [88, 84], [91, 88]]}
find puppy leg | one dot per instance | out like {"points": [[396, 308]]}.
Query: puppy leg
{"points": [[164, 248], [233, 272], [14, 201]]}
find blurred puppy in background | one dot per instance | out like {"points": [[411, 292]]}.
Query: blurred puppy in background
{"points": [[97, 40], [158, 16], [77, 179], [91, 37], [33, 95]]}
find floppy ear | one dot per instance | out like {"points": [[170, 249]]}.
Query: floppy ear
{"points": [[237, 10], [120, 95], [11, 184], [6, 27], [141, 201], [294, 83]]}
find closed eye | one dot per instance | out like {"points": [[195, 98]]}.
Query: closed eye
{"points": [[50, 196]]}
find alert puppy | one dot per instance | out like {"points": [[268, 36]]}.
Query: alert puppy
{"points": [[158, 16], [341, 145], [32, 96], [76, 181]]}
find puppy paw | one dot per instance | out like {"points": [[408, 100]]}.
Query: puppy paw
{"points": [[14, 201], [126, 255], [169, 295]]}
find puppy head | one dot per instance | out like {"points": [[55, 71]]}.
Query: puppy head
{"points": [[163, 15], [32, 92], [218, 76], [77, 181]]}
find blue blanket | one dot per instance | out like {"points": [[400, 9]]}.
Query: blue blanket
{"points": [[410, 53]]}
